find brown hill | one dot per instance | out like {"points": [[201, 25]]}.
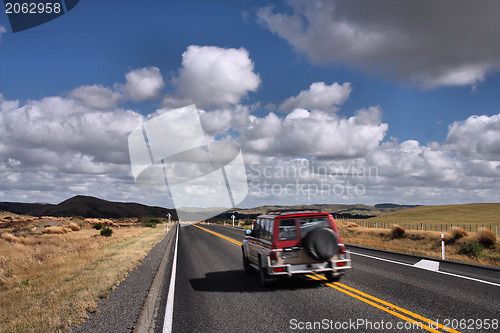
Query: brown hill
{"points": [[87, 206]]}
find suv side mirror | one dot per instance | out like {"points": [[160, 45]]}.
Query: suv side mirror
{"points": [[248, 232]]}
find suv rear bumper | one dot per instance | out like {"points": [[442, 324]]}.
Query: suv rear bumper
{"points": [[334, 266]]}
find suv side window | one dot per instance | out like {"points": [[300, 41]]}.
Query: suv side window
{"points": [[268, 229], [287, 230], [309, 223], [257, 229]]}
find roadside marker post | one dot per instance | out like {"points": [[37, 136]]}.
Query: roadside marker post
{"points": [[233, 217], [168, 216], [442, 246]]}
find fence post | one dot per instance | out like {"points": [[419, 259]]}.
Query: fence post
{"points": [[442, 246]]}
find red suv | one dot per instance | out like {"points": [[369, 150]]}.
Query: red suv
{"points": [[294, 242]]}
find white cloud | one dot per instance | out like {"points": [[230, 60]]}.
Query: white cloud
{"points": [[211, 76], [143, 84], [319, 97], [41, 131], [96, 96], [478, 137], [221, 120], [427, 43], [315, 133]]}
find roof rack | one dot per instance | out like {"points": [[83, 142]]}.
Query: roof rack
{"points": [[292, 211]]}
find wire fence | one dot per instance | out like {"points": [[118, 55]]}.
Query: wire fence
{"points": [[442, 227]]}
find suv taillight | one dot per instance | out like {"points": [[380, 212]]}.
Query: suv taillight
{"points": [[341, 249]]}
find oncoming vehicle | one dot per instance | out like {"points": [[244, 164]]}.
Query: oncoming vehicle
{"points": [[283, 244]]}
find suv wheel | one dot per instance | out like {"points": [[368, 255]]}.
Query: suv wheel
{"points": [[332, 277], [246, 263], [264, 279], [321, 243]]}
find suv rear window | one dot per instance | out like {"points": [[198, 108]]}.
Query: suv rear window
{"points": [[308, 223], [287, 230]]}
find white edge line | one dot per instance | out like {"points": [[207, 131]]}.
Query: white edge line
{"points": [[169, 310], [441, 272]]}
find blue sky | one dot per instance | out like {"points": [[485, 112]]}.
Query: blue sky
{"points": [[400, 93]]}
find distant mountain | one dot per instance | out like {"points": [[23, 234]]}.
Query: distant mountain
{"points": [[357, 211], [22, 208], [394, 206], [87, 206]]}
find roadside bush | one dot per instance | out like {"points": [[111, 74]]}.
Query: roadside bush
{"points": [[470, 249], [458, 233], [397, 231], [21, 229], [150, 222], [97, 226], [107, 232], [486, 238]]}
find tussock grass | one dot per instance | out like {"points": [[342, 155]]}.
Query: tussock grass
{"points": [[55, 230], [10, 238], [397, 231], [74, 226], [458, 233], [486, 238], [51, 280]]}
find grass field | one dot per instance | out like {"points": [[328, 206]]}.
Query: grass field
{"points": [[49, 281], [426, 243], [478, 213]]}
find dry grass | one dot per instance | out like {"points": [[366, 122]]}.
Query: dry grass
{"points": [[458, 233], [426, 243], [397, 231], [486, 238], [478, 213], [74, 226], [55, 230], [106, 222], [10, 238], [48, 281]]}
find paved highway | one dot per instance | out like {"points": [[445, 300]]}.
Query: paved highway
{"points": [[382, 292]]}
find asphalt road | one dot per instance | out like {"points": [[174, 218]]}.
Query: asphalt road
{"points": [[382, 292]]}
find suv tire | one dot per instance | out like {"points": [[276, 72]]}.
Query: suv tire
{"points": [[263, 277], [321, 244], [246, 263], [332, 277]]}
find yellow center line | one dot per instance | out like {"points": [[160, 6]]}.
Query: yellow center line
{"points": [[342, 287], [221, 236], [364, 297]]}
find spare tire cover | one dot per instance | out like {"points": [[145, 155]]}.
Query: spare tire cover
{"points": [[321, 244]]}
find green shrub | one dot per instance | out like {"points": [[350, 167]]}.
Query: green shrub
{"points": [[471, 249], [21, 229], [97, 226], [106, 232], [150, 222]]}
